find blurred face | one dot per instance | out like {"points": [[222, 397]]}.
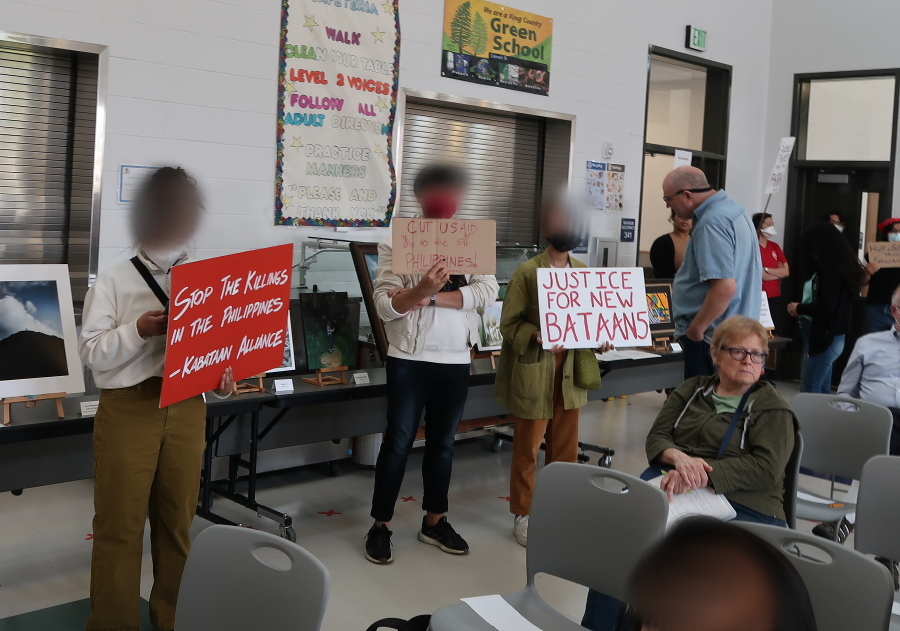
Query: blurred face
{"points": [[738, 373], [176, 219], [725, 591], [440, 201]]}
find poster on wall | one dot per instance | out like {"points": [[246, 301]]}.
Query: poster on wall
{"points": [[337, 96], [228, 311], [615, 187], [496, 45], [595, 185]]}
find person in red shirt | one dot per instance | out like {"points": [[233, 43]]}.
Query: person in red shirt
{"points": [[775, 268]]}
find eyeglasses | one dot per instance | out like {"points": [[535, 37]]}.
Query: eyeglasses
{"points": [[686, 190], [738, 354]]}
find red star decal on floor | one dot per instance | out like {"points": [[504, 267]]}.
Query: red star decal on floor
{"points": [[329, 513], [408, 499]]}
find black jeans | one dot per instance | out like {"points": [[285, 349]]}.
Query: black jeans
{"points": [[697, 360], [439, 389]]}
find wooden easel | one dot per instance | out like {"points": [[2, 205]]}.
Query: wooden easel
{"points": [[321, 379], [240, 387], [661, 343], [32, 400], [492, 355]]}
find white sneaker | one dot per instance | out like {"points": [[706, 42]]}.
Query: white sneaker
{"points": [[520, 529]]}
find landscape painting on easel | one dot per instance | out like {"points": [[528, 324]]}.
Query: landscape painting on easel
{"points": [[38, 346], [330, 329]]}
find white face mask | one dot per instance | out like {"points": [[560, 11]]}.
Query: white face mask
{"points": [[894, 236], [839, 228], [770, 231], [164, 258]]}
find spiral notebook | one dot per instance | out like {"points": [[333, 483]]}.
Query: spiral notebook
{"points": [[697, 502]]}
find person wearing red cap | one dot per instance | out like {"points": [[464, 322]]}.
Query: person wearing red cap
{"points": [[882, 282]]}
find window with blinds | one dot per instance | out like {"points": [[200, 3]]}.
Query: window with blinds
{"points": [[48, 117], [504, 154]]}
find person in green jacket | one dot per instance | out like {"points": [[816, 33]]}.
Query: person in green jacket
{"points": [[541, 388], [691, 445]]}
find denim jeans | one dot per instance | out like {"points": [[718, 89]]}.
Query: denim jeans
{"points": [[439, 389], [697, 360], [815, 375], [879, 317], [605, 613]]}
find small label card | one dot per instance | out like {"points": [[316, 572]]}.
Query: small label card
{"points": [[675, 346], [284, 385], [89, 408], [360, 378]]}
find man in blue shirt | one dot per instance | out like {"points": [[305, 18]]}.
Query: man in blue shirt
{"points": [[721, 275]]}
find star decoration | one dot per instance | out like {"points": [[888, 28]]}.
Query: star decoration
{"points": [[289, 87], [286, 201], [382, 105], [388, 7], [378, 149], [379, 35], [310, 22], [297, 144]]}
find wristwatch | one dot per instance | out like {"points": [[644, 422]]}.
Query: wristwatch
{"points": [[432, 301], [766, 270]]}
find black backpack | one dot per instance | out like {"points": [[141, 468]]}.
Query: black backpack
{"points": [[419, 623]]}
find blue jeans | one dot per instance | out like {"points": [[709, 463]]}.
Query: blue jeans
{"points": [[605, 613], [879, 317], [413, 386], [697, 360], [815, 375]]}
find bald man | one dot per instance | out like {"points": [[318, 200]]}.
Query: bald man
{"points": [[721, 275]]}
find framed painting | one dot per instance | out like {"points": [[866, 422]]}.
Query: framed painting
{"points": [[330, 330], [659, 309], [294, 361], [489, 338], [38, 341], [365, 260]]}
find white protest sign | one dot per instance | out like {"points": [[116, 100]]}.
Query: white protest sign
{"points": [[585, 307], [781, 164], [765, 316]]}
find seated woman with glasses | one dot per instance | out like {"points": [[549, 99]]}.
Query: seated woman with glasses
{"points": [[729, 432]]}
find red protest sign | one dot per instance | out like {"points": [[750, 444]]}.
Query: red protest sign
{"points": [[227, 311], [584, 307]]}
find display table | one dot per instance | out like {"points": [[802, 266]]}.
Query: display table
{"points": [[39, 449]]}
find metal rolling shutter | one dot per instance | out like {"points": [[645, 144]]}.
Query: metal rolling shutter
{"points": [[48, 101], [502, 154]]}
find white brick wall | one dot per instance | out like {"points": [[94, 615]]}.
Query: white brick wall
{"points": [[193, 83]]}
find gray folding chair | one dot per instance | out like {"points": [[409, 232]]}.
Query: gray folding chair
{"points": [[847, 590], [839, 435], [792, 482], [588, 525], [237, 579], [878, 512]]}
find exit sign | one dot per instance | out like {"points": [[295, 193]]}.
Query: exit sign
{"points": [[695, 39]]}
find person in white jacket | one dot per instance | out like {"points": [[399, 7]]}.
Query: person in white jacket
{"points": [[146, 458], [431, 326]]}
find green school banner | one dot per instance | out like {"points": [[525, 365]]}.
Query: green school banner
{"points": [[495, 45]]}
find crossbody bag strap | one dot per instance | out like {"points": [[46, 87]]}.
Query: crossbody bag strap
{"points": [[151, 282], [734, 421]]}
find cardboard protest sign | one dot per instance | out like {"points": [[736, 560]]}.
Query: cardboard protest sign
{"points": [[229, 311], [585, 307], [884, 253], [468, 245]]}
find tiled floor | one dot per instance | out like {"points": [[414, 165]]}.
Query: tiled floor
{"points": [[45, 547]]}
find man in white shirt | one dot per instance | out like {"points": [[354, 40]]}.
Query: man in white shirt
{"points": [[431, 324]]}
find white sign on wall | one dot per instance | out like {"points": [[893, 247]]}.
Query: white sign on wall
{"points": [[781, 165], [131, 177], [585, 307], [683, 158]]}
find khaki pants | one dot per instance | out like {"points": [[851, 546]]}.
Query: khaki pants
{"points": [[560, 434], [146, 461]]}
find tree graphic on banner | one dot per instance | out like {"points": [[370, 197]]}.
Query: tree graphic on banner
{"points": [[479, 35], [461, 26]]}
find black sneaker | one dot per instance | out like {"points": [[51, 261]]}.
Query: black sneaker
{"points": [[893, 568], [378, 544], [826, 531], [444, 537]]}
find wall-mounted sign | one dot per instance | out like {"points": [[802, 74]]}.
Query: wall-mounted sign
{"points": [[496, 45], [683, 158], [336, 102], [595, 185], [131, 177], [695, 39], [628, 228]]}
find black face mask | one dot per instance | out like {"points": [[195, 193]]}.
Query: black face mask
{"points": [[565, 241]]}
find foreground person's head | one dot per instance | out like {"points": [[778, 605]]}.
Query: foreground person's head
{"points": [[708, 575], [167, 210], [439, 189]]}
